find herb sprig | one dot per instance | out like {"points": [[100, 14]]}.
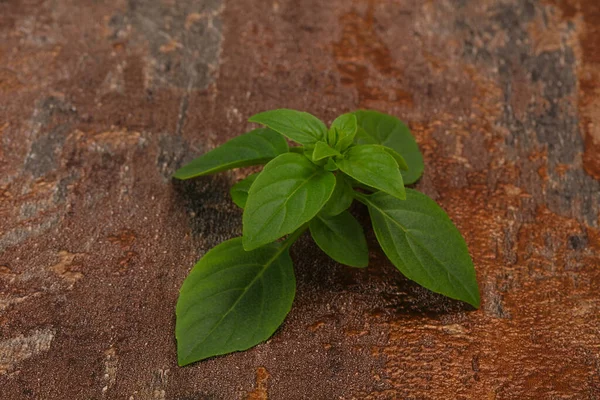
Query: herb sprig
{"points": [[240, 292]]}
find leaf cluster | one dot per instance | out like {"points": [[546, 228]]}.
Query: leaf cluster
{"points": [[240, 292]]}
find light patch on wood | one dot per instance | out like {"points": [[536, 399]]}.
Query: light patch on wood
{"points": [[114, 82], [512, 190], [170, 46], [124, 238], [6, 274], [66, 268], [454, 329], [260, 392], [7, 301], [316, 326], [20, 348], [545, 33], [111, 361], [191, 19], [156, 390], [118, 138], [195, 17]]}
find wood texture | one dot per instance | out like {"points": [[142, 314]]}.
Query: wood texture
{"points": [[100, 101]]}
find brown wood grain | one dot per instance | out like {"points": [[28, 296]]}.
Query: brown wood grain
{"points": [[101, 101]]}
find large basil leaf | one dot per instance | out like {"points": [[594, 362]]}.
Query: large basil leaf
{"points": [[289, 192], [342, 238], [340, 199], [233, 299], [253, 148], [379, 128], [239, 191], [299, 126], [374, 167], [423, 243]]}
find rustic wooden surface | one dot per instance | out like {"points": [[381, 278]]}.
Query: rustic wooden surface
{"points": [[100, 101]]}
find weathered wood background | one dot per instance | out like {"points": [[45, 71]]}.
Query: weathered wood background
{"points": [[100, 101]]}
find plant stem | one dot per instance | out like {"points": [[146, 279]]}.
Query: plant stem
{"points": [[294, 236], [359, 196]]}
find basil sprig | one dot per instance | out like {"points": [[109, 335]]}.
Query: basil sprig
{"points": [[240, 292]]}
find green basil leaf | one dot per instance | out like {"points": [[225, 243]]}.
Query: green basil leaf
{"points": [[399, 159], [346, 126], [253, 148], [423, 243], [289, 192], [239, 191], [330, 165], [345, 142], [373, 166], [233, 300], [340, 199], [332, 136], [322, 150], [298, 126], [342, 238], [308, 154], [356, 184], [389, 131], [297, 149]]}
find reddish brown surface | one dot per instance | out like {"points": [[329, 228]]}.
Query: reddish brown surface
{"points": [[100, 102], [588, 50], [589, 83]]}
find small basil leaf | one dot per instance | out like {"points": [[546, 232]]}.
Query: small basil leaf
{"points": [[233, 300], [389, 131], [423, 243], [332, 136], [253, 148], [356, 184], [239, 191], [289, 192], [344, 143], [342, 238], [373, 166], [340, 199], [308, 151], [330, 165], [346, 126], [322, 150], [399, 159], [298, 126]]}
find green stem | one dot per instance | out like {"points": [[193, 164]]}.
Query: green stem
{"points": [[292, 237], [289, 241], [360, 197], [297, 149]]}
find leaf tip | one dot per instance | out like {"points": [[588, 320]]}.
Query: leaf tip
{"points": [[179, 174], [399, 194], [181, 362], [248, 244], [475, 301], [256, 118]]}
